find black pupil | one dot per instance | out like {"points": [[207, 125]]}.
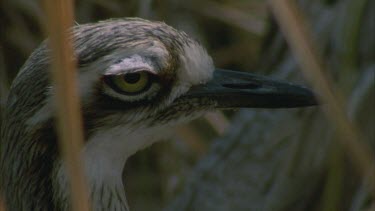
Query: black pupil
{"points": [[132, 78]]}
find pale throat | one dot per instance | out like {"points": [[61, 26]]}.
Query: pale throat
{"points": [[104, 157]]}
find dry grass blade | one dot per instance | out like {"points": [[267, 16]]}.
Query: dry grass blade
{"points": [[291, 21], [59, 20], [229, 15], [192, 138], [2, 204], [218, 121]]}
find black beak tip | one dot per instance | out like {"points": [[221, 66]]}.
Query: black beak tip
{"points": [[306, 100], [298, 97]]}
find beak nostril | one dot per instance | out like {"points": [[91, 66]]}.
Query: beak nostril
{"points": [[242, 85]]}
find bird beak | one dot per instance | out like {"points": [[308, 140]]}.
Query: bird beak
{"points": [[233, 89]]}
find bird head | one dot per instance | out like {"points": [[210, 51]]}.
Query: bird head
{"points": [[136, 79]]}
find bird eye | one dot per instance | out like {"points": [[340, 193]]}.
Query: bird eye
{"points": [[130, 83]]}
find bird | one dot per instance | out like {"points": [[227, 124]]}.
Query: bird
{"points": [[136, 79]]}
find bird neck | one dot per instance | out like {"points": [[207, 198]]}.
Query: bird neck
{"points": [[104, 157], [105, 186], [26, 164]]}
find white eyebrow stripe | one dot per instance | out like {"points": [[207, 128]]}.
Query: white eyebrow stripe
{"points": [[130, 64]]}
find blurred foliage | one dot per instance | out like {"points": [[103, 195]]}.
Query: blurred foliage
{"points": [[239, 35], [292, 160]]}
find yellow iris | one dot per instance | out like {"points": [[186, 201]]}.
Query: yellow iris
{"points": [[131, 82]]}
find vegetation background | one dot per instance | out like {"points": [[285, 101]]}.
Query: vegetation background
{"points": [[247, 159]]}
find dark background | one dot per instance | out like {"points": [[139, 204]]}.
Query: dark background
{"points": [[247, 159]]}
